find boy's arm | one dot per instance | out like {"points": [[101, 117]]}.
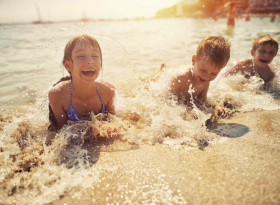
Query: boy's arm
{"points": [[243, 66], [202, 97], [271, 75], [57, 108], [235, 69]]}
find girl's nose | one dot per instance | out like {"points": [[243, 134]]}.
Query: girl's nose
{"points": [[89, 60]]}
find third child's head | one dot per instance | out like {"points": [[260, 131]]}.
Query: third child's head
{"points": [[264, 50], [83, 58], [211, 56]]}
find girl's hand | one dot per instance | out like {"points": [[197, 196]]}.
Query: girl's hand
{"points": [[112, 132], [104, 130]]}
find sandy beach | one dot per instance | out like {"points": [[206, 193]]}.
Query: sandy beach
{"points": [[242, 168], [156, 159]]}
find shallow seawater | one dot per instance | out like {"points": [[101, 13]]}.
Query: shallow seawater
{"points": [[38, 167]]}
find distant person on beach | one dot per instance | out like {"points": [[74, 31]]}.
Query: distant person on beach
{"points": [[231, 13], [192, 86], [79, 95], [263, 51], [272, 17]]}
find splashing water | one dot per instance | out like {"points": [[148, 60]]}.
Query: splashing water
{"points": [[38, 167]]}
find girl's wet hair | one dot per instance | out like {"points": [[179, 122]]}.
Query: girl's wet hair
{"points": [[263, 40], [215, 48], [83, 39]]}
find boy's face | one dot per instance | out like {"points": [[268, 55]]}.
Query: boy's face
{"points": [[264, 55], [204, 70], [86, 63]]}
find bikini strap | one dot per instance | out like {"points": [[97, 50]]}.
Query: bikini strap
{"points": [[103, 106], [70, 86]]}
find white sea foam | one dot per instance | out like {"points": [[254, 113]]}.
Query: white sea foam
{"points": [[33, 173]]}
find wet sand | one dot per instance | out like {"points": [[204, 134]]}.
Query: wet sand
{"points": [[241, 168]]}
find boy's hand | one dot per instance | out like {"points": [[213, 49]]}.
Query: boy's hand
{"points": [[221, 111]]}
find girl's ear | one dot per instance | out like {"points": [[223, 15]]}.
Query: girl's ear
{"points": [[67, 65], [193, 59], [252, 52]]}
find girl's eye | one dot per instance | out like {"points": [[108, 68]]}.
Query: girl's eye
{"points": [[81, 56]]}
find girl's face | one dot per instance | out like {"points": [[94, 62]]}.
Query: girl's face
{"points": [[86, 63], [264, 55]]}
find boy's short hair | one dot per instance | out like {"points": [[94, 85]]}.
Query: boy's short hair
{"points": [[263, 40], [80, 39], [215, 48]]}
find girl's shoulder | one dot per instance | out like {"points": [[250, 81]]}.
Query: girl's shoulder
{"points": [[106, 88], [59, 90], [105, 85]]}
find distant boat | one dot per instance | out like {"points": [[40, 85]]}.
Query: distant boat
{"points": [[84, 19], [40, 21]]}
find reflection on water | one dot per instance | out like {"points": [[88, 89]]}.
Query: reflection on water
{"points": [[229, 31]]}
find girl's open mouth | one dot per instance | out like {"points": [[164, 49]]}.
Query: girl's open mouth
{"points": [[90, 72]]}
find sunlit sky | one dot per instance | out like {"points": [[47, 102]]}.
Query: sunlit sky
{"points": [[12, 11]]}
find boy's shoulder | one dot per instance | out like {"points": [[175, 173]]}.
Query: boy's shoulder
{"points": [[181, 81], [184, 77], [247, 61]]}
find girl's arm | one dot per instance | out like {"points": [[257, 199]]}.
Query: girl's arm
{"points": [[109, 92], [110, 108], [56, 99]]}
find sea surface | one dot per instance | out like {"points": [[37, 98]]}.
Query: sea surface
{"points": [[38, 167]]}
